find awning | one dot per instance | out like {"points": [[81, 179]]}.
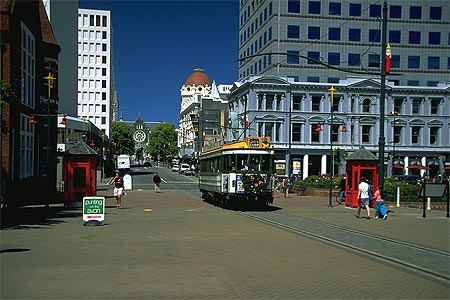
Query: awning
{"points": [[397, 166], [418, 167]]}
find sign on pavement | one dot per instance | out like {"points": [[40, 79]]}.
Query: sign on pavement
{"points": [[93, 209]]}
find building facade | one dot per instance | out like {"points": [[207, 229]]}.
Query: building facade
{"points": [[297, 118], [344, 34], [63, 16], [29, 103], [140, 131], [97, 97]]}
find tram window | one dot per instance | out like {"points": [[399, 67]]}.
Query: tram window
{"points": [[254, 164], [228, 163]]}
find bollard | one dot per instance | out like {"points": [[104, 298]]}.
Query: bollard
{"points": [[428, 203], [397, 195]]}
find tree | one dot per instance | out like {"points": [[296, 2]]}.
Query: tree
{"points": [[122, 141], [162, 141]]}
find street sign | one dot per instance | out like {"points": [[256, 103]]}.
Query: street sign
{"points": [[93, 209]]}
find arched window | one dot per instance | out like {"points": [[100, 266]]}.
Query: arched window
{"points": [[366, 105]]}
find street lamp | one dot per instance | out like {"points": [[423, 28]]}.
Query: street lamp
{"points": [[393, 114], [32, 120], [330, 202], [343, 129]]}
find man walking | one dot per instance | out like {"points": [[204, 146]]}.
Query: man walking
{"points": [[157, 181]]}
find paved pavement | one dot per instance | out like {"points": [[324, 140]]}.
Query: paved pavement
{"points": [[173, 246]]}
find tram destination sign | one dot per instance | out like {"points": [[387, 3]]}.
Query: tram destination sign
{"points": [[254, 143], [93, 209]]}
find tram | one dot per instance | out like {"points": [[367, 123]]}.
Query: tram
{"points": [[238, 173]]}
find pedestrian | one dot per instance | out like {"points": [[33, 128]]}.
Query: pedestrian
{"points": [[363, 197], [342, 186], [286, 185], [276, 185], [379, 196], [119, 189], [157, 181]]}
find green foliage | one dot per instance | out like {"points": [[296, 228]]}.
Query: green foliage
{"points": [[322, 181], [162, 141], [340, 156], [6, 91], [408, 192], [122, 141]]}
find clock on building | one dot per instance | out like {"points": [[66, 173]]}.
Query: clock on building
{"points": [[139, 136]]}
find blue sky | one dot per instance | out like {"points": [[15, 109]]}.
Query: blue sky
{"points": [[158, 44]]}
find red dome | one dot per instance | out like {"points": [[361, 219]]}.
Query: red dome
{"points": [[198, 78]]}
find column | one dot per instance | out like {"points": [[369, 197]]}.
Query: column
{"points": [[305, 172], [323, 165]]}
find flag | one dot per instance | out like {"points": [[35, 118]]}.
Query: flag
{"points": [[388, 59]]}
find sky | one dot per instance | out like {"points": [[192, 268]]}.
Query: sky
{"points": [[158, 44]]}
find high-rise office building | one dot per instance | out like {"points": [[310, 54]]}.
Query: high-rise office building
{"points": [[97, 97], [345, 34], [63, 17]]}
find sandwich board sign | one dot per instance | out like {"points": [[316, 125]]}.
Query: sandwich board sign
{"points": [[94, 209]]}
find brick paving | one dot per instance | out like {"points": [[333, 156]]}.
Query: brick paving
{"points": [[172, 246]]}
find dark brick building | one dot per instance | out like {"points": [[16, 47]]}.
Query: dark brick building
{"points": [[29, 53]]}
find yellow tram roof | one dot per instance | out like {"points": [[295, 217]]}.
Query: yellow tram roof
{"points": [[251, 142]]}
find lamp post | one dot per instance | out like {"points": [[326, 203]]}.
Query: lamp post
{"points": [[382, 139], [330, 202], [49, 79], [393, 114]]}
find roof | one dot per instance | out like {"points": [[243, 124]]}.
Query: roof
{"points": [[46, 28], [10, 7], [81, 148], [198, 77], [362, 154]]}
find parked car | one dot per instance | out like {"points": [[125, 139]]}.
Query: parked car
{"points": [[409, 179], [189, 172], [175, 168], [184, 167]]}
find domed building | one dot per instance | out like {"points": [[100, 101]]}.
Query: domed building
{"points": [[196, 91]]}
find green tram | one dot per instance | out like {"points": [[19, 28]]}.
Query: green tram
{"points": [[239, 173]]}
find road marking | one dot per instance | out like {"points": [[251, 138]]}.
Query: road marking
{"points": [[191, 209], [148, 210]]}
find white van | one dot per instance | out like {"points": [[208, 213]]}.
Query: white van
{"points": [[123, 162], [184, 167]]}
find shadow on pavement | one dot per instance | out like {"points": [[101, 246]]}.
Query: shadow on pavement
{"points": [[33, 217]]}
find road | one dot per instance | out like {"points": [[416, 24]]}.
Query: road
{"points": [[172, 245], [142, 179]]}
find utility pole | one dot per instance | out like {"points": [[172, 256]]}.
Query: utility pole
{"points": [[382, 139]]}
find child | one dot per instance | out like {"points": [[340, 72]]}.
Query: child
{"points": [[379, 202]]}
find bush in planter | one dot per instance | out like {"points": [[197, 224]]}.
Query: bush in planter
{"points": [[408, 192], [322, 181]]}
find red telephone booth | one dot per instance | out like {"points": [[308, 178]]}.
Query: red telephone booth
{"points": [[80, 173], [360, 163]]}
